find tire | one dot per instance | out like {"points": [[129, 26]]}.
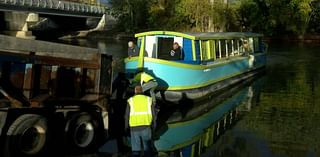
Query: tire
{"points": [[83, 133], [26, 136]]}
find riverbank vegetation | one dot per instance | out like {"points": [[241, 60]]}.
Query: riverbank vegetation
{"points": [[271, 17]]}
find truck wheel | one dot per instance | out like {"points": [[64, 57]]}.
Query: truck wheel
{"points": [[82, 132], [27, 136]]}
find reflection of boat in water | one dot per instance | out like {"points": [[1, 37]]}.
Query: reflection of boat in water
{"points": [[210, 61], [191, 136]]}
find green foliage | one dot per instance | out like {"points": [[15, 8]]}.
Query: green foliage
{"points": [[253, 16], [163, 15], [131, 14], [314, 26], [276, 17], [271, 17]]}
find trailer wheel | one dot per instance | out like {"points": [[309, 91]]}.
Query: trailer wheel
{"points": [[26, 136], [82, 132]]}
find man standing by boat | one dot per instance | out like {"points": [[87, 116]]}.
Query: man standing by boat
{"points": [[141, 118], [133, 50], [147, 82]]}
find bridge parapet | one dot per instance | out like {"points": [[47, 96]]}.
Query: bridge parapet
{"points": [[54, 7]]}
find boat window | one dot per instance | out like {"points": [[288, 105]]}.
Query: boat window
{"points": [[139, 42], [218, 48], [241, 49], [223, 48], [229, 47], [235, 45], [204, 50], [151, 46], [245, 45], [207, 51], [251, 45], [239, 46], [261, 45], [256, 44], [197, 46], [213, 50]]}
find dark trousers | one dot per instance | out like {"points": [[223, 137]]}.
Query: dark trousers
{"points": [[141, 141]]}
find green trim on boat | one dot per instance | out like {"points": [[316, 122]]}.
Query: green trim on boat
{"points": [[208, 47], [165, 33], [193, 149], [203, 84], [202, 36], [126, 60], [141, 54], [194, 56]]}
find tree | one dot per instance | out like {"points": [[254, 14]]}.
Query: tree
{"points": [[208, 15], [314, 26], [271, 17], [298, 18], [276, 17], [163, 15], [131, 14], [254, 16]]}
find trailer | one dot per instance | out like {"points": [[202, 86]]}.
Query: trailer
{"points": [[53, 98]]}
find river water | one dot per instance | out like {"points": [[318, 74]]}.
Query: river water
{"points": [[284, 118]]}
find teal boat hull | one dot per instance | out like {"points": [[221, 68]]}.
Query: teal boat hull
{"points": [[179, 81]]}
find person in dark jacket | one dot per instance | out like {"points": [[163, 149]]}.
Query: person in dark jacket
{"points": [[120, 85], [176, 52], [133, 50]]}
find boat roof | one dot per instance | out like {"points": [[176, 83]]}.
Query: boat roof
{"points": [[202, 35]]}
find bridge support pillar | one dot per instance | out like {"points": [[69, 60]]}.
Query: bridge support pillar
{"points": [[17, 24]]}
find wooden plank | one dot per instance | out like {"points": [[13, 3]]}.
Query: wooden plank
{"points": [[48, 60], [44, 48]]}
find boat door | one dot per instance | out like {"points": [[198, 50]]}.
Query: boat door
{"points": [[164, 47]]}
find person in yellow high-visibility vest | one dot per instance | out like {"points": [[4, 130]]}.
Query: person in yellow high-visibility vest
{"points": [[140, 117], [147, 82]]}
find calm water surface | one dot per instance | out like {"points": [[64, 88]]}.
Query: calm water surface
{"points": [[284, 121]]}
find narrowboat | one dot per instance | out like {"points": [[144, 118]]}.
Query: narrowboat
{"points": [[208, 62]]}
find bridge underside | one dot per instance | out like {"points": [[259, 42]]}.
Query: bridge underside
{"points": [[25, 18], [54, 7], [46, 11]]}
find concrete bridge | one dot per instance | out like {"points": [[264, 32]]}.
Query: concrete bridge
{"points": [[18, 16], [55, 7]]}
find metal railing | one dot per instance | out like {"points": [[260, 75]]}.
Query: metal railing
{"points": [[57, 5]]}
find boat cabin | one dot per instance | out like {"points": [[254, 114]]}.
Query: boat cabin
{"points": [[198, 48]]}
